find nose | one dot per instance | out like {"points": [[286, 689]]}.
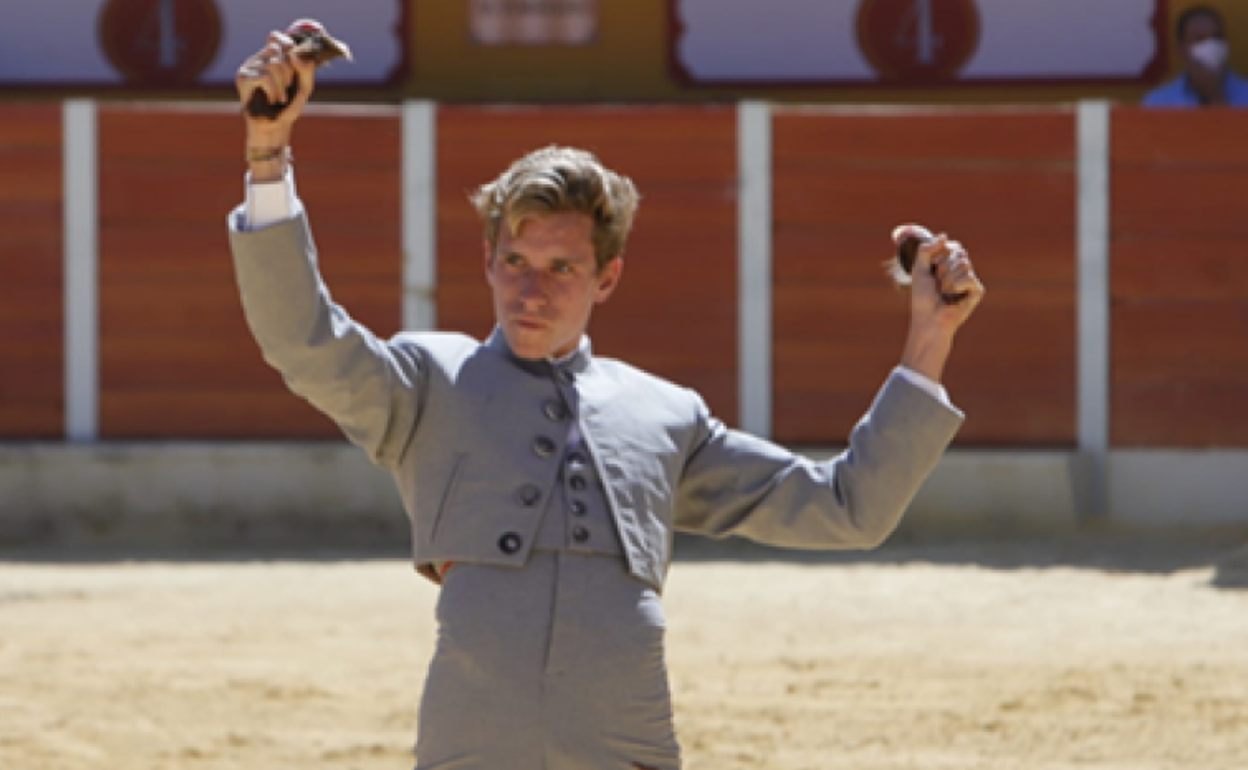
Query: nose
{"points": [[532, 293]]}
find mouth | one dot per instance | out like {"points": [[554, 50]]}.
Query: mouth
{"points": [[531, 324]]}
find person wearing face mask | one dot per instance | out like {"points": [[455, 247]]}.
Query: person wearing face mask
{"points": [[1207, 79]]}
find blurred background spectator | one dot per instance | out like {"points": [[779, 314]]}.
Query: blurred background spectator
{"points": [[1207, 79]]}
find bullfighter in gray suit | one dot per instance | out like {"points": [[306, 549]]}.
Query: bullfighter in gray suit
{"points": [[543, 482]]}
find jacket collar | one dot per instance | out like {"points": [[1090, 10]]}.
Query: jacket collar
{"points": [[575, 362]]}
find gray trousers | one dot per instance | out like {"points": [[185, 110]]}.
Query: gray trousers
{"points": [[558, 665]]}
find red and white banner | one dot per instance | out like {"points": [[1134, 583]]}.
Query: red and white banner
{"points": [[917, 42], [163, 44]]}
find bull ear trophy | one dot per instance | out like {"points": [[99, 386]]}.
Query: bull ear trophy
{"points": [[312, 43], [908, 239]]}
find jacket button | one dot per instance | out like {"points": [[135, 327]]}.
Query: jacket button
{"points": [[578, 508], [528, 495], [544, 446], [577, 483], [509, 543], [580, 534], [554, 410]]}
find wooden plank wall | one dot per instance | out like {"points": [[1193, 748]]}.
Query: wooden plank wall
{"points": [[31, 273], [675, 312], [1003, 184], [1180, 278], [176, 359]]}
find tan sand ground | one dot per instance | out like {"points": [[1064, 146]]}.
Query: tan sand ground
{"points": [[959, 658]]}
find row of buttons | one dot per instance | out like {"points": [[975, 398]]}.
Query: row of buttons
{"points": [[577, 462], [555, 410], [528, 496]]}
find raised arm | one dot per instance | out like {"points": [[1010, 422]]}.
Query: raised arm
{"points": [[737, 484], [369, 387]]}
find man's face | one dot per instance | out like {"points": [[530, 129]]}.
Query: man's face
{"points": [[546, 282], [1199, 29]]}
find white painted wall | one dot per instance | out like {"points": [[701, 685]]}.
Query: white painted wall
{"points": [[328, 494], [159, 494]]}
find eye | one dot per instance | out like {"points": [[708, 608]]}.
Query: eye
{"points": [[562, 268], [513, 260]]}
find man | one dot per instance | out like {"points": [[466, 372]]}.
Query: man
{"points": [[1207, 79], [544, 483]]}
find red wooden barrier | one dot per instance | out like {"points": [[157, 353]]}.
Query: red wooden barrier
{"points": [[31, 273], [1004, 184], [1180, 278], [176, 360]]}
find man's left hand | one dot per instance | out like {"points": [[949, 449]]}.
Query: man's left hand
{"points": [[941, 300]]}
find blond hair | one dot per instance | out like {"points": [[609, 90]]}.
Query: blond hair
{"points": [[557, 179]]}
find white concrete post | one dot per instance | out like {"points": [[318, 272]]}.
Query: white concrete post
{"points": [[81, 235], [754, 266], [1094, 307], [420, 237]]}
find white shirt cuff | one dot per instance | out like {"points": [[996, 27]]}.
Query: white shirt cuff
{"points": [[269, 203], [926, 384]]}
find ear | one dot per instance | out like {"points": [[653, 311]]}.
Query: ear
{"points": [[608, 279]]}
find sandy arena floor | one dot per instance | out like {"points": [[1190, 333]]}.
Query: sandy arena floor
{"points": [[1016, 657]]}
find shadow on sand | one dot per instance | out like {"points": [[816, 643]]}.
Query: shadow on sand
{"points": [[1152, 554], [1226, 554]]}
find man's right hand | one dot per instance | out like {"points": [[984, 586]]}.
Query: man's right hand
{"points": [[271, 71]]}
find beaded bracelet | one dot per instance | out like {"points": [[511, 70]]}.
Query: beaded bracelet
{"points": [[264, 154]]}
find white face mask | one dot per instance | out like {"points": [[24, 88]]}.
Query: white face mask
{"points": [[1211, 53]]}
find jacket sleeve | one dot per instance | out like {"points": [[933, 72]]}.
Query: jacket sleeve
{"points": [[369, 387], [738, 484]]}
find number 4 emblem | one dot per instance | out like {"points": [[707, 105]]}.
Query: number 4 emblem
{"points": [[918, 41]]}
